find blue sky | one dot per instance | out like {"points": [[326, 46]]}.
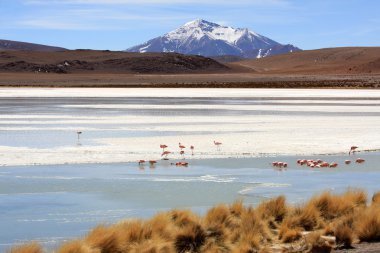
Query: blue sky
{"points": [[119, 24]]}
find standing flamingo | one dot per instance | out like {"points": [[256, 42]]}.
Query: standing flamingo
{"points": [[182, 153], [141, 164], [352, 150], [79, 133], [152, 164], [192, 149], [163, 146], [217, 144], [181, 146], [166, 153]]}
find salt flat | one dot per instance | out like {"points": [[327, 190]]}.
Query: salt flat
{"points": [[124, 125]]}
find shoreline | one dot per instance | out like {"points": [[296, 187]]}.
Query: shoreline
{"points": [[244, 80], [204, 159]]}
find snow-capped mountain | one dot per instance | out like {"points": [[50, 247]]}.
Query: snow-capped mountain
{"points": [[201, 37]]}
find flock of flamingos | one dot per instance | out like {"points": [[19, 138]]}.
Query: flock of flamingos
{"points": [[165, 154], [279, 165], [319, 163]]}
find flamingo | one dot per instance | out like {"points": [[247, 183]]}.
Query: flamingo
{"points": [[166, 153], [182, 153], [181, 146], [181, 164], [141, 162], [217, 144], [152, 164], [274, 164], [163, 146], [192, 149], [333, 165], [360, 160], [79, 133], [347, 162], [325, 164], [352, 150]]}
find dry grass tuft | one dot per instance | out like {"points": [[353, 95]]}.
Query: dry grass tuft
{"points": [[356, 196], [288, 235], [344, 236], [376, 198], [275, 208], [252, 226], [306, 217], [328, 230], [265, 250], [237, 208], [27, 248], [217, 215], [333, 206], [368, 225], [162, 227], [316, 244], [103, 238], [190, 240], [150, 246], [77, 246], [184, 218]]}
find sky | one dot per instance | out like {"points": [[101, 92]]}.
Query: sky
{"points": [[120, 24]]}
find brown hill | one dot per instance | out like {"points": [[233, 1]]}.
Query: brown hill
{"points": [[6, 45], [348, 60], [92, 61]]}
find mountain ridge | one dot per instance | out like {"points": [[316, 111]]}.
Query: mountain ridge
{"points": [[6, 45], [201, 37]]}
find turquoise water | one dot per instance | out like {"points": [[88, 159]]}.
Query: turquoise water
{"points": [[54, 203]]}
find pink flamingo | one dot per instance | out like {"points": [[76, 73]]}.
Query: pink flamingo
{"points": [[352, 150], [333, 165], [166, 153], [217, 144], [360, 160], [192, 149], [347, 162], [181, 146], [141, 162], [163, 146], [182, 153], [152, 164]]}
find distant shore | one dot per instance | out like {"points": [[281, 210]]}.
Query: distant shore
{"points": [[229, 80]]}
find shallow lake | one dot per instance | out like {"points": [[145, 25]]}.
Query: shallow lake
{"points": [[52, 203], [54, 187]]}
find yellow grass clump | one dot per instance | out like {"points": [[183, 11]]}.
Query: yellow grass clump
{"points": [[368, 225], [315, 244], [32, 247], [341, 218], [344, 236], [376, 198]]}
